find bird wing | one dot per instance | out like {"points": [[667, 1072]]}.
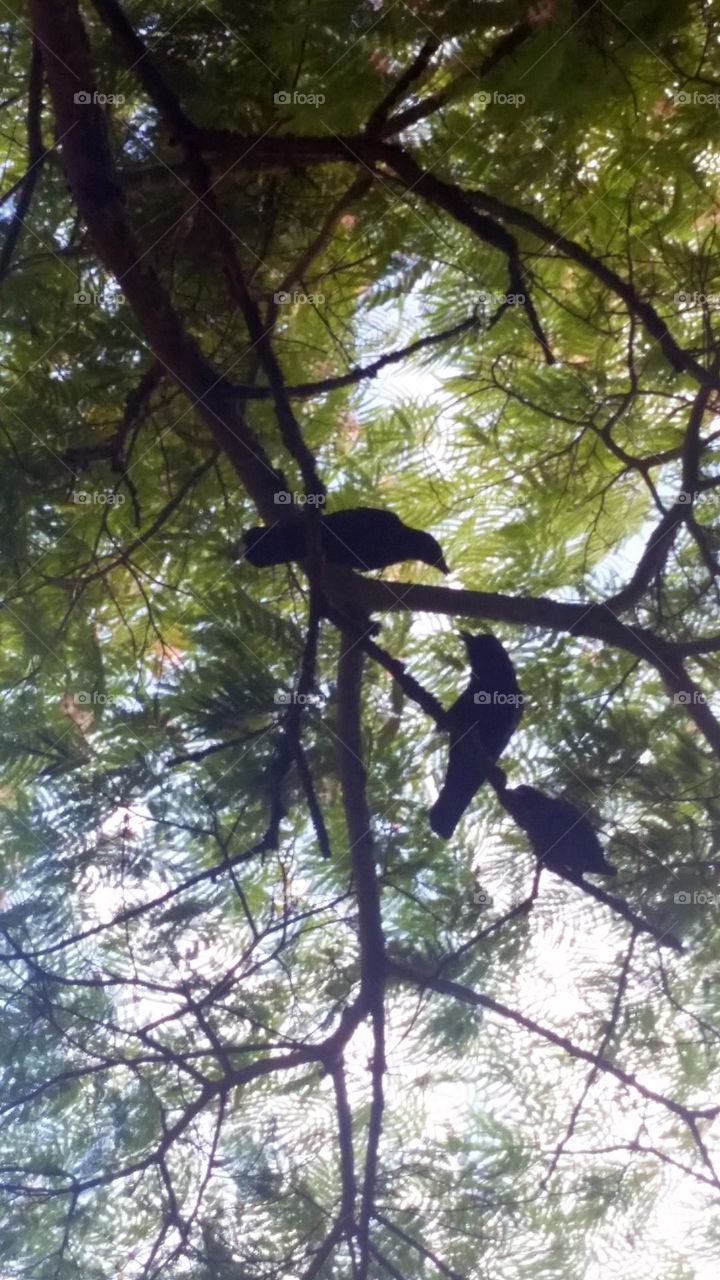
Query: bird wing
{"points": [[361, 537], [494, 722], [570, 840], [275, 545]]}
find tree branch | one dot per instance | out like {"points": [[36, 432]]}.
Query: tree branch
{"points": [[444, 986], [305, 390], [378, 120], [367, 890], [91, 174], [593, 620]]}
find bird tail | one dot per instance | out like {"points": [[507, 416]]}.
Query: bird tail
{"points": [[450, 806], [444, 816]]}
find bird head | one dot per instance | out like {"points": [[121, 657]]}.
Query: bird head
{"points": [[483, 650], [523, 803], [422, 546], [524, 795]]}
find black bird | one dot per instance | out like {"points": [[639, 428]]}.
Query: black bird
{"points": [[360, 538], [482, 721], [560, 834]]}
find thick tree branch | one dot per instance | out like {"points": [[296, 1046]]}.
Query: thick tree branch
{"points": [[593, 620], [357, 818], [91, 173], [179, 125], [283, 153], [367, 890]]}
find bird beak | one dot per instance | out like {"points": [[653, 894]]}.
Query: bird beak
{"points": [[442, 566]]}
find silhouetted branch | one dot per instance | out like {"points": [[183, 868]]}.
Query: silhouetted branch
{"points": [[140, 61], [88, 161], [663, 937], [429, 982], [305, 390], [422, 1249], [594, 620], [608, 1033], [367, 890], [504, 48], [378, 119]]}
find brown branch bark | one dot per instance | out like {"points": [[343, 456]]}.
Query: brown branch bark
{"points": [[140, 60], [367, 890], [92, 177], [282, 153], [592, 620]]}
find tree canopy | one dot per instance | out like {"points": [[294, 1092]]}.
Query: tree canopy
{"points": [[259, 262]]}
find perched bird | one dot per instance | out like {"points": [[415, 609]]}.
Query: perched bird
{"points": [[481, 721], [360, 538], [560, 834]]}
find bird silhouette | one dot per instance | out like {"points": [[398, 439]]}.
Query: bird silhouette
{"points": [[481, 722], [359, 538], [560, 835]]}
